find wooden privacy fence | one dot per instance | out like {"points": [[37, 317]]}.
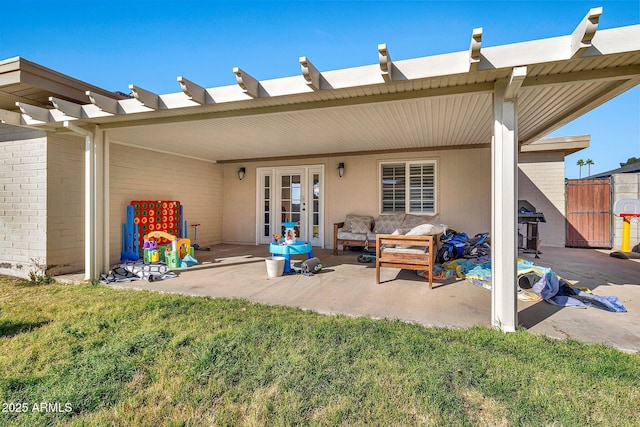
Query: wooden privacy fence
{"points": [[589, 213]]}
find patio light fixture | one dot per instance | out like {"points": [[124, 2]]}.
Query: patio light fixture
{"points": [[340, 169], [241, 173]]}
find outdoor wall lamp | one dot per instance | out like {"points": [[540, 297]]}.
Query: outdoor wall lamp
{"points": [[340, 169], [241, 173]]}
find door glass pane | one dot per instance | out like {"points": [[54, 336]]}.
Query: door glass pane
{"points": [[290, 192], [315, 206], [267, 214]]}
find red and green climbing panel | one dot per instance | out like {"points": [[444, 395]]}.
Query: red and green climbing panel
{"points": [[156, 215]]}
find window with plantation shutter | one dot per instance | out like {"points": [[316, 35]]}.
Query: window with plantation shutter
{"points": [[408, 187]]}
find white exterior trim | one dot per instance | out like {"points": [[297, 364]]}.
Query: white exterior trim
{"points": [[504, 195]]}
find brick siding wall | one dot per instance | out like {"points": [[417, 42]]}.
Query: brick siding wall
{"points": [[23, 200], [65, 203]]}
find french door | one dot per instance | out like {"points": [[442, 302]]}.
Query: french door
{"points": [[291, 194]]}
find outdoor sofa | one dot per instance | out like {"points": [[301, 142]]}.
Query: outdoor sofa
{"points": [[401, 240], [361, 230]]}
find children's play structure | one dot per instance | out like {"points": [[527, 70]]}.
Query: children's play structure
{"points": [[629, 210], [159, 229]]}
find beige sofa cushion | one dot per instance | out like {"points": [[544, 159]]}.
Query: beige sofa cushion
{"points": [[347, 235], [387, 224], [357, 223]]}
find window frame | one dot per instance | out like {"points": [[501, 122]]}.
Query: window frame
{"points": [[407, 203]]}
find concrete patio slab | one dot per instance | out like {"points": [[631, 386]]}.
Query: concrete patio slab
{"points": [[347, 287]]}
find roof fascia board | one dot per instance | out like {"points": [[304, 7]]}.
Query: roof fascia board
{"points": [[48, 79], [617, 73], [486, 88], [566, 144]]}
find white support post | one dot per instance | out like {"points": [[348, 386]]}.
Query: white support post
{"points": [[98, 208], [96, 193], [106, 194], [89, 206], [504, 191]]}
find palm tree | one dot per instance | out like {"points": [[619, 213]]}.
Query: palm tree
{"points": [[581, 164], [589, 162]]}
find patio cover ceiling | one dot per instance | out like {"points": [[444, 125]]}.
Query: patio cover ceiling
{"points": [[442, 101]]}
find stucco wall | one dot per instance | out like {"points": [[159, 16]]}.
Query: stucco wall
{"points": [[464, 190], [541, 183], [137, 174], [23, 200], [65, 203], [625, 186]]}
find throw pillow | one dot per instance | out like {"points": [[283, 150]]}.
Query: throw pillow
{"points": [[425, 230]]}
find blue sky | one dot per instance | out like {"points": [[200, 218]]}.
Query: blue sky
{"points": [[149, 43]]}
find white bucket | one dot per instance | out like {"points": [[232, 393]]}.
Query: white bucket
{"points": [[275, 266]]}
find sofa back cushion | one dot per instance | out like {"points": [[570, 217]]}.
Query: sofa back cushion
{"points": [[387, 224], [411, 220], [357, 223]]}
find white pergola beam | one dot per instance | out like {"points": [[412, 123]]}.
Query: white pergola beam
{"points": [[248, 84], [36, 113], [474, 49], [104, 103], [518, 74], [504, 191], [386, 65], [70, 109], [145, 97], [10, 118], [584, 32], [194, 92], [310, 73]]}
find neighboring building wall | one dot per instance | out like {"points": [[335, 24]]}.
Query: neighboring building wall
{"points": [[541, 183], [137, 174], [65, 203], [625, 186], [23, 200], [464, 190]]}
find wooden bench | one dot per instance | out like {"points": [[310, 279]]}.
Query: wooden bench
{"points": [[408, 252]]}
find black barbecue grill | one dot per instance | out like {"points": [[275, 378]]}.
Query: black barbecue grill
{"points": [[529, 215]]}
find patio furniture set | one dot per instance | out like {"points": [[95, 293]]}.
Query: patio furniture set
{"points": [[404, 241]]}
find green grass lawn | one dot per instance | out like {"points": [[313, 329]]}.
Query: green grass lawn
{"points": [[101, 356]]}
